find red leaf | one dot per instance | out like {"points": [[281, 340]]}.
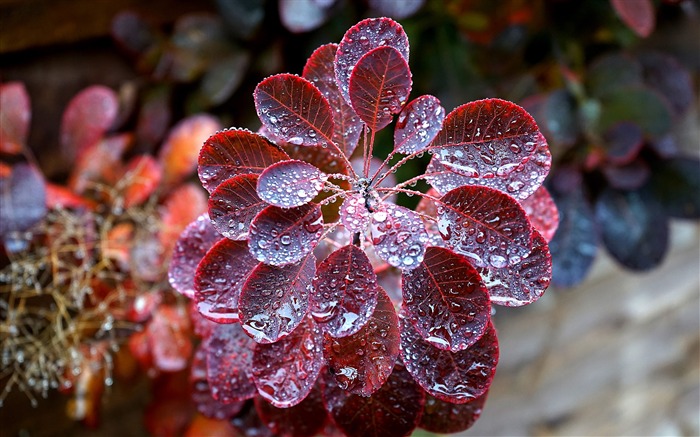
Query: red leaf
{"points": [[286, 371], [229, 361], [446, 418], [233, 152], [345, 292], [194, 242], [274, 300], [362, 38], [623, 142], [638, 15], [494, 143], [143, 174], [202, 425], [455, 377], [393, 410], [234, 204], [180, 152], [353, 213], [398, 235], [320, 71], [362, 362], [294, 110], [89, 115], [183, 205], [290, 183], [22, 200], [486, 225], [100, 163], [219, 278], [379, 86], [524, 282], [201, 393], [284, 236], [58, 196], [169, 338], [418, 124], [15, 117], [305, 419], [542, 211], [446, 300]]}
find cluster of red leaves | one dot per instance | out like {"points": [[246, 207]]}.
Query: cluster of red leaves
{"points": [[290, 278]]}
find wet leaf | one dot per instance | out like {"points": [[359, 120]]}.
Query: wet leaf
{"points": [[183, 204], [234, 204], [623, 142], [638, 15], [169, 338], [290, 183], [280, 236], [542, 212], [180, 152], [676, 184], [300, 16], [487, 226], [274, 300], [15, 117], [446, 418], [362, 38], [379, 86], [353, 213], [219, 278], [305, 419], [345, 292], [194, 242], [575, 243], [418, 124], [524, 282], [446, 300], [234, 152], [22, 202], [455, 377], [320, 71], [397, 9], [394, 409], [494, 143], [87, 118], [363, 361], [633, 227], [229, 361], [669, 78], [294, 110], [398, 235], [201, 393], [144, 174], [286, 371]]}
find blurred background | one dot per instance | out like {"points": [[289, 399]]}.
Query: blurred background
{"points": [[613, 347]]}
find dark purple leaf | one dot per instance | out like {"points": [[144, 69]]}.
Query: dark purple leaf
{"points": [[611, 72], [542, 212], [280, 236], [494, 143], [194, 242], [286, 371], [641, 106], [379, 86], [22, 202], [219, 278], [354, 214], [486, 225], [294, 110], [300, 16], [446, 300], [629, 176], [623, 142], [398, 235], [233, 152], [274, 300], [455, 377], [234, 204], [347, 126], [447, 418], [418, 124], [305, 419], [223, 77], [88, 116], [638, 15], [229, 361], [15, 116], [345, 292], [575, 243], [633, 226], [363, 361], [397, 9], [393, 410], [290, 183], [561, 121], [524, 282], [154, 117], [201, 394], [362, 38], [676, 184], [132, 33], [668, 77]]}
